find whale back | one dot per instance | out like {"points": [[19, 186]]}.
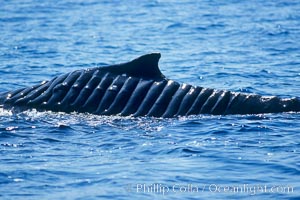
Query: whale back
{"points": [[137, 88]]}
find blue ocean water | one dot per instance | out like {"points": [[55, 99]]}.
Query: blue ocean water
{"points": [[246, 46]]}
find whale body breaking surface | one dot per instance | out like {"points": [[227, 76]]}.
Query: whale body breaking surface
{"points": [[138, 88]]}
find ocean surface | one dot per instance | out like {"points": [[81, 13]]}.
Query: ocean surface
{"points": [[245, 46]]}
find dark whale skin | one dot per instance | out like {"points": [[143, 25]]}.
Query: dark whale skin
{"points": [[138, 88]]}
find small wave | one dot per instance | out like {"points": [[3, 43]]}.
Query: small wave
{"points": [[176, 25]]}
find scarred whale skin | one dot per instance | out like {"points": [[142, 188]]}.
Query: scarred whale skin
{"points": [[138, 88]]}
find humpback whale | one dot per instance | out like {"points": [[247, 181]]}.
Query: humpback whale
{"points": [[138, 88]]}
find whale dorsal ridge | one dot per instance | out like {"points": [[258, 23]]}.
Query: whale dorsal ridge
{"points": [[145, 66]]}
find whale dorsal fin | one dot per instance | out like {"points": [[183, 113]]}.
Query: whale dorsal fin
{"points": [[145, 66]]}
